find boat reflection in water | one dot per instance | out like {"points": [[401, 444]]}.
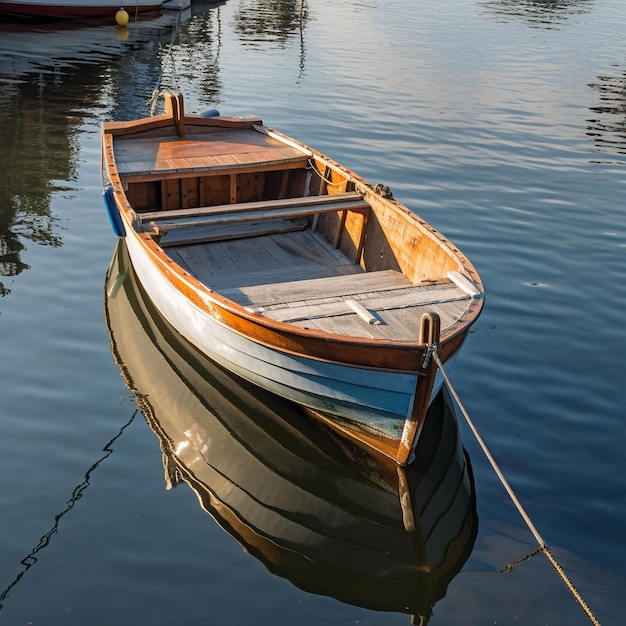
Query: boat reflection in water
{"points": [[330, 517]]}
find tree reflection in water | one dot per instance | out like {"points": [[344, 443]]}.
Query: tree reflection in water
{"points": [[258, 21], [547, 14], [36, 151], [607, 126], [50, 74]]}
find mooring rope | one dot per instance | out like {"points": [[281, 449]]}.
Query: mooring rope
{"points": [[168, 56], [542, 544]]}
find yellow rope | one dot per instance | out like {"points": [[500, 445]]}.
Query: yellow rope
{"points": [[542, 544]]}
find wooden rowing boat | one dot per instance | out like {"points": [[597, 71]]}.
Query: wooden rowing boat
{"points": [[290, 270], [313, 508]]}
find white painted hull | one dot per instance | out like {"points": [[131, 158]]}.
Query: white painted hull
{"points": [[381, 399]]}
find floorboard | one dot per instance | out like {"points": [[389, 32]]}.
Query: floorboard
{"points": [[299, 278]]}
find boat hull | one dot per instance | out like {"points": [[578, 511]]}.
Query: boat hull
{"points": [[381, 399], [68, 9]]}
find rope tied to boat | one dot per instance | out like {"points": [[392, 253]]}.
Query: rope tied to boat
{"points": [[157, 91], [543, 547]]}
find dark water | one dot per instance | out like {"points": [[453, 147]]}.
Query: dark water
{"points": [[502, 123]]}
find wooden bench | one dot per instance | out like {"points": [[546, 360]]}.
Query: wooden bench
{"points": [[196, 224], [252, 211]]}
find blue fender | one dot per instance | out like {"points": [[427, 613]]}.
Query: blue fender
{"points": [[113, 212]]}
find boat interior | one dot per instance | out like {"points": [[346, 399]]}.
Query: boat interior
{"points": [[286, 234]]}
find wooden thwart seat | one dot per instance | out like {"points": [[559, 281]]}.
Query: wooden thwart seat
{"points": [[165, 221], [248, 219]]}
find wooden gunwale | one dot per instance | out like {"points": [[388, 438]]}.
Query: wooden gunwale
{"points": [[165, 121]]}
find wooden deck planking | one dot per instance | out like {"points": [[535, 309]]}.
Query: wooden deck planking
{"points": [[307, 246], [179, 256], [449, 312], [326, 288], [270, 276], [395, 329], [265, 259], [380, 303], [221, 150], [398, 324], [300, 278], [405, 322], [350, 325], [200, 264], [282, 252], [277, 257], [400, 318], [244, 255]]}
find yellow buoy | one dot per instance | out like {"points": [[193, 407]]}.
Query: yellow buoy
{"points": [[122, 17]]}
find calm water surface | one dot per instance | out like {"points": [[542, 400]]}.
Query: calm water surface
{"points": [[502, 123]]}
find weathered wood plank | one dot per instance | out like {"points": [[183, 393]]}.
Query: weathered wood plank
{"points": [[242, 207], [335, 286], [417, 297], [251, 215], [266, 278], [349, 325], [274, 253], [229, 231], [402, 323], [450, 311], [308, 247]]}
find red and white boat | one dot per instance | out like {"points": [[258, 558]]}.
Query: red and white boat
{"points": [[68, 9]]}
